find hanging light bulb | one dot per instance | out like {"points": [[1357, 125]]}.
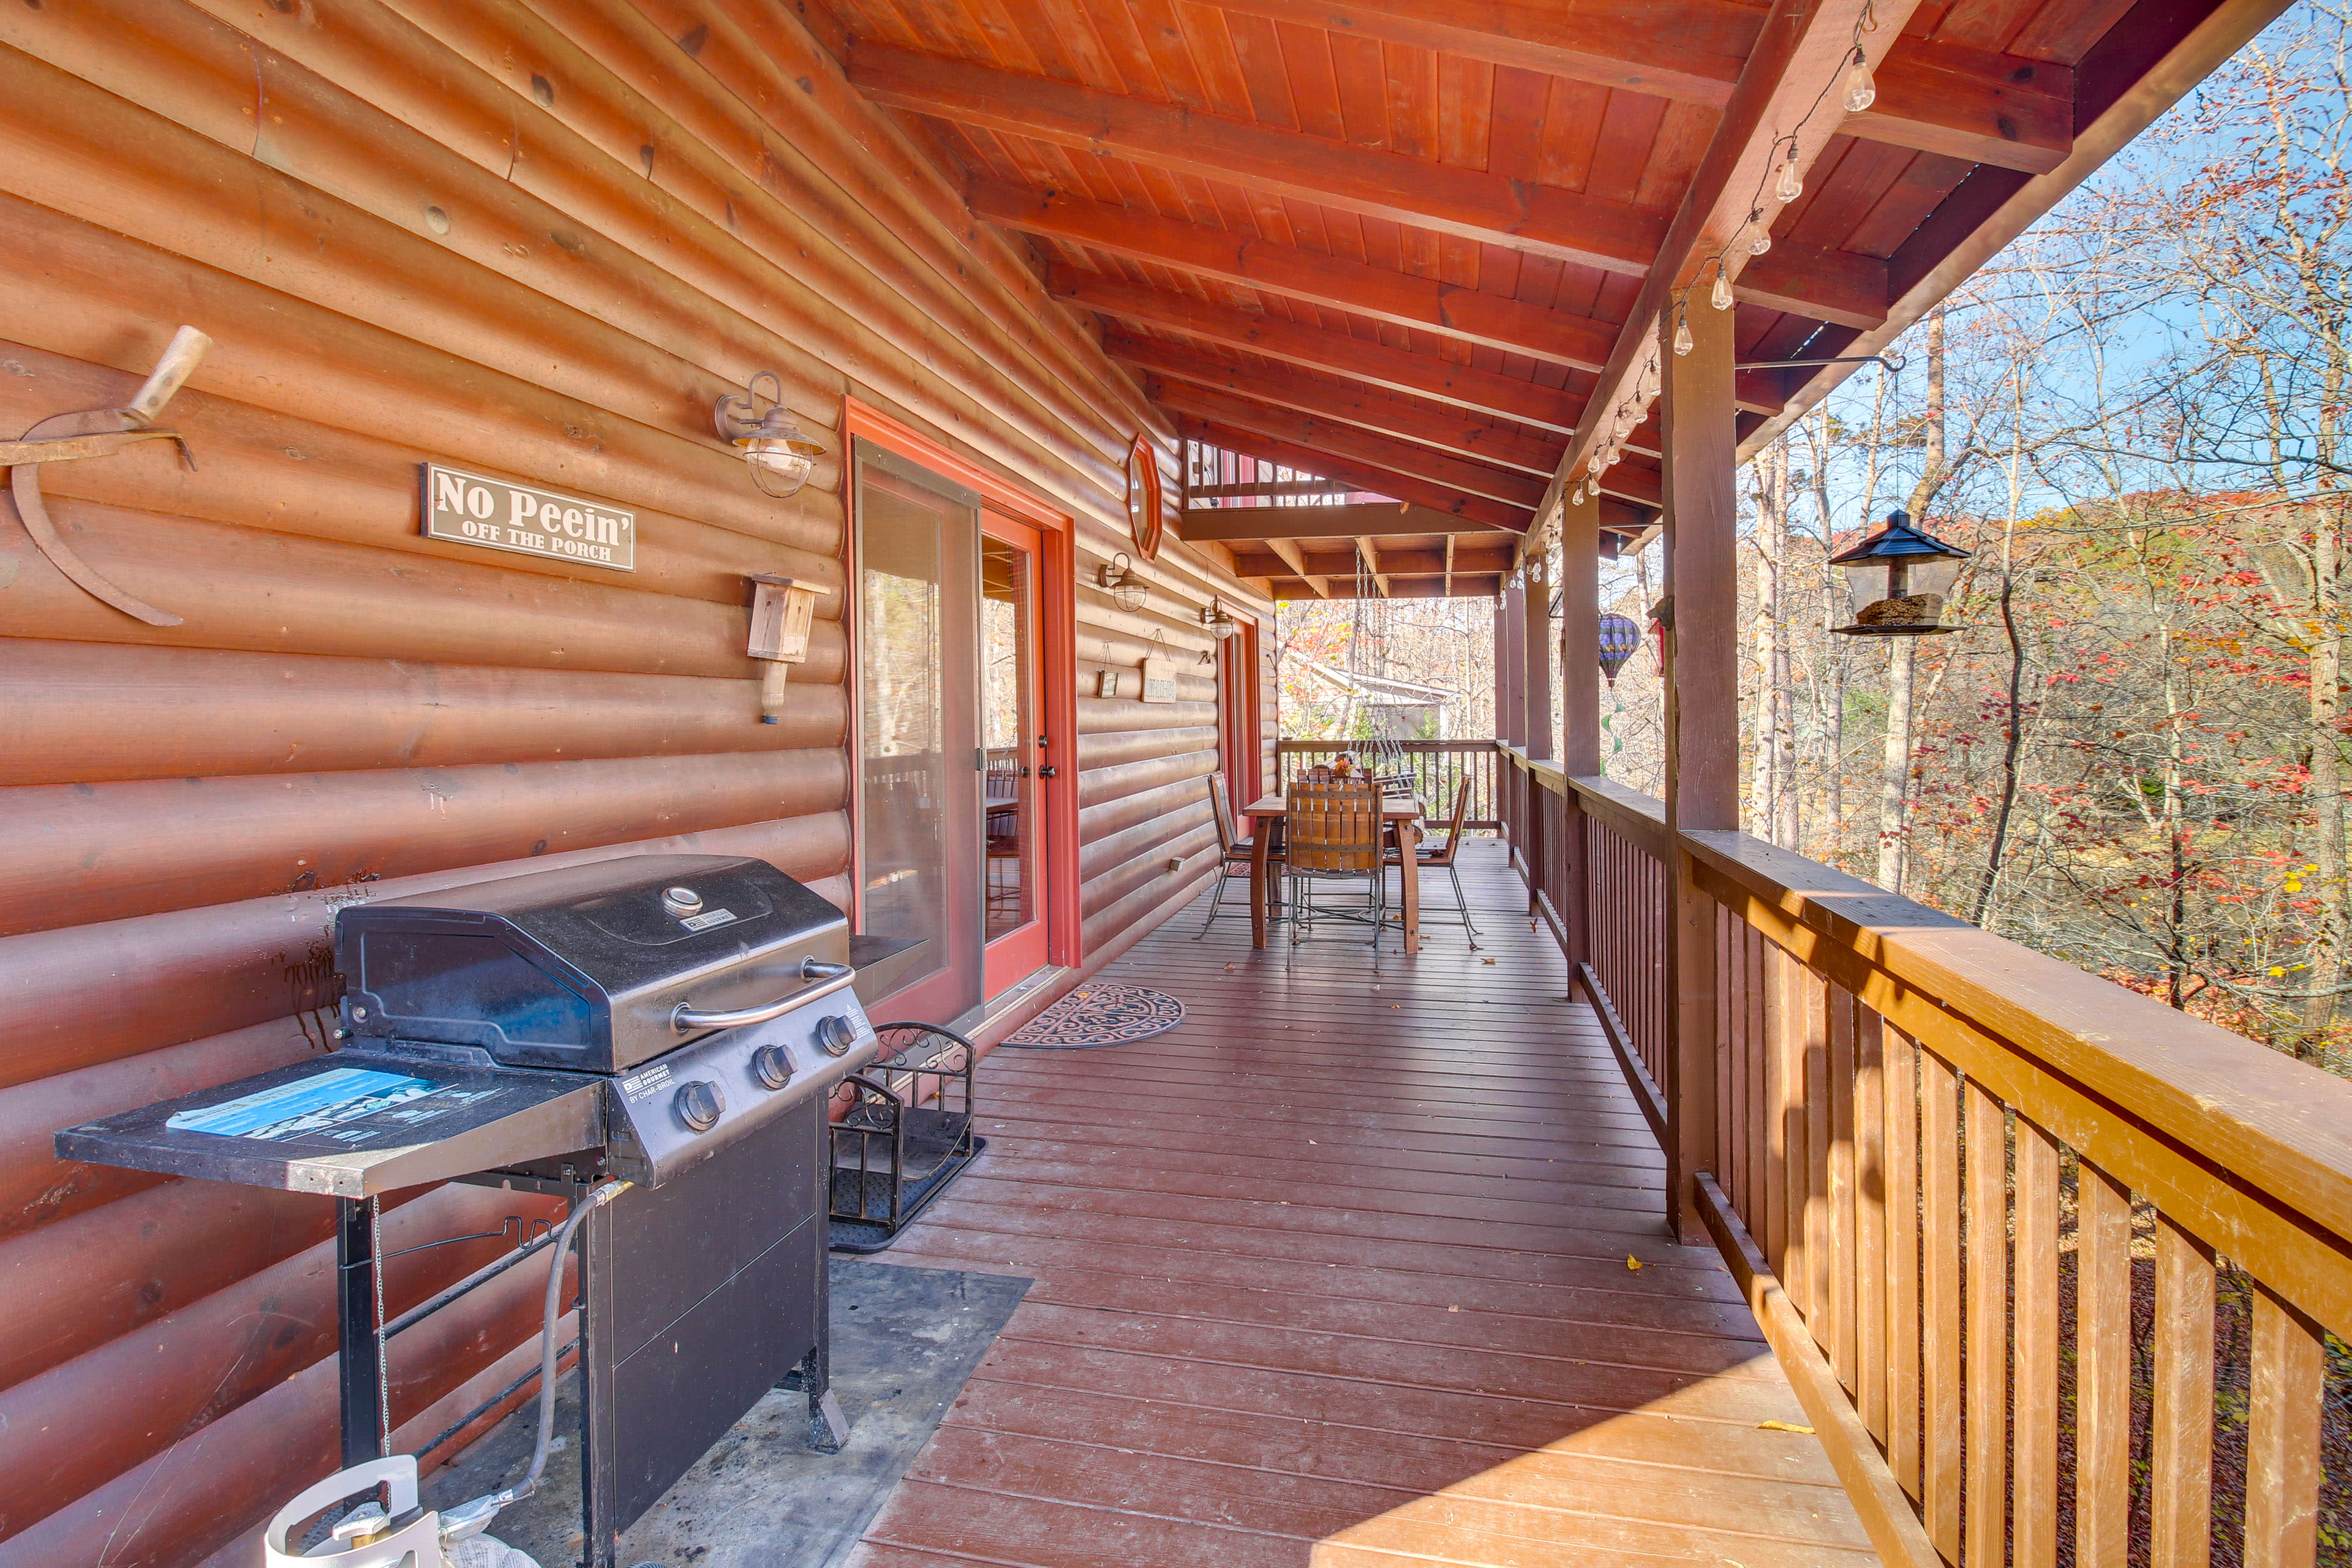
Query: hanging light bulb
{"points": [[1720, 295], [1860, 92], [1683, 344], [1791, 184], [1759, 233]]}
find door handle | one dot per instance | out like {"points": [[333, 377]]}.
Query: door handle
{"points": [[1049, 771]]}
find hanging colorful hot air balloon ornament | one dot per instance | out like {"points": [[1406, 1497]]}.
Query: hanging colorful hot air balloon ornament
{"points": [[1621, 639]]}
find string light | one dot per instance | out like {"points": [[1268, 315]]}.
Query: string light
{"points": [[1759, 233], [1683, 343], [1860, 91], [1720, 295], [1792, 184]]}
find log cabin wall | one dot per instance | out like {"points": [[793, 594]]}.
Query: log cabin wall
{"points": [[537, 241]]}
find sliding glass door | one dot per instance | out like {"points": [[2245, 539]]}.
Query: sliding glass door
{"points": [[951, 800]]}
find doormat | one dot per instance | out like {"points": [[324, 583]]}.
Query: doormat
{"points": [[905, 1341], [1101, 1015]]}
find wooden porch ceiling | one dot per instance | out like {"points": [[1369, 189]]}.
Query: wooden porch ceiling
{"points": [[1407, 244]]}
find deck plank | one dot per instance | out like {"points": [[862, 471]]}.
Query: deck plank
{"points": [[1342, 1274]]}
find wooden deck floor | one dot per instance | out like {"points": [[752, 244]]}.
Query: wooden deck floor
{"points": [[1337, 1272]]}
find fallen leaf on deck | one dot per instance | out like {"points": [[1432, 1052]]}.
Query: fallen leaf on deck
{"points": [[1784, 1426], [1481, 960], [1631, 1261]]}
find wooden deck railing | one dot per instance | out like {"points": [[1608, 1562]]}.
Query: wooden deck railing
{"points": [[2028, 1243], [1439, 767]]}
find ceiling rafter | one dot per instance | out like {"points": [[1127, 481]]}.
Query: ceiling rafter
{"points": [[1982, 107], [1331, 282], [1376, 518], [1360, 475], [1798, 55], [1291, 556], [1465, 476], [1396, 369], [1470, 204], [1333, 398]]}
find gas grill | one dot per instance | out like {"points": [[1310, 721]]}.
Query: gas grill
{"points": [[678, 1023]]}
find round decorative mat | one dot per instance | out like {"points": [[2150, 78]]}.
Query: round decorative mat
{"points": [[1103, 1014]]}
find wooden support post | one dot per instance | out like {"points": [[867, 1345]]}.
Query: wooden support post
{"points": [[1535, 705], [1702, 723], [1510, 717], [1534, 657], [1580, 700]]}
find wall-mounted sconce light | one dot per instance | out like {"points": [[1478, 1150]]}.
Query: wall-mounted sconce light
{"points": [[780, 455], [1221, 624], [1117, 576], [783, 608], [1897, 578]]}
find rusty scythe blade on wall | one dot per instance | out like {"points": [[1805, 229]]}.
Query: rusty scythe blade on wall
{"points": [[97, 433]]}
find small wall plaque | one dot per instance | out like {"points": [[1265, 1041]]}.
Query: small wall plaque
{"points": [[1107, 683], [1159, 680], [499, 514]]}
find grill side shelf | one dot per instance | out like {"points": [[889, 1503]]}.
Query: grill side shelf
{"points": [[350, 1125]]}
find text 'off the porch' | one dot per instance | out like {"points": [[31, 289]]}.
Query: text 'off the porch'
{"points": [[499, 514]]}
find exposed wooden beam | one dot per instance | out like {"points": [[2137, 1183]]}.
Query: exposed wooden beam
{"points": [[1429, 587], [1392, 563], [1379, 519], [1332, 282], [1615, 236], [1464, 474], [1802, 47], [1269, 487], [2003, 110], [1469, 204], [1460, 386], [1333, 397], [1363, 476], [1372, 564], [1289, 553]]}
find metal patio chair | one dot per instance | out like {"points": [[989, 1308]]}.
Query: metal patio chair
{"points": [[1232, 854], [1441, 858]]}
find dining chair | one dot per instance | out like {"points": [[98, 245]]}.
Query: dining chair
{"points": [[1332, 833], [1442, 858], [1232, 854]]}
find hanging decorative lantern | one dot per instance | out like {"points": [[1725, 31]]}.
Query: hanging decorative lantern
{"points": [[1897, 578], [1621, 639], [1117, 577]]}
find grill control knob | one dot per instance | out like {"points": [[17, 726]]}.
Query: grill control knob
{"points": [[771, 1067], [699, 1104], [837, 1033], [681, 901]]}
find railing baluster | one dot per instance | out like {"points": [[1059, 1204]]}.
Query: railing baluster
{"points": [[2290, 1369], [1939, 1304], [2103, 1367], [1986, 1351], [1873, 1187], [1904, 1097], [2181, 1506], [1814, 1086], [1777, 1094], [2034, 1401], [1837, 1253]]}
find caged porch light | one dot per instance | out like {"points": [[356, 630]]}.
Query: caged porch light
{"points": [[1897, 578], [1221, 624], [1116, 576], [780, 455]]}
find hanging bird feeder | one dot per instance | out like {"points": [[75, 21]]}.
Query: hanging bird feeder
{"points": [[1898, 577], [1621, 639]]}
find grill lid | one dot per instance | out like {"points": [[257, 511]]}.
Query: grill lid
{"points": [[582, 967]]}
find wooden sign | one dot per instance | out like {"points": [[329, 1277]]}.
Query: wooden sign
{"points": [[1159, 680], [1107, 682], [499, 514]]}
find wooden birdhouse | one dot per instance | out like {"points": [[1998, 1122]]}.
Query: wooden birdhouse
{"points": [[781, 611]]}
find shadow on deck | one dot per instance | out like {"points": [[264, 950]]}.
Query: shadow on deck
{"points": [[1338, 1271]]}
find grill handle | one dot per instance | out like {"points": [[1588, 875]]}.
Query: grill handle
{"points": [[832, 976]]}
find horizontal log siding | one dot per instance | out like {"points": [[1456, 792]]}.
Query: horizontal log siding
{"points": [[531, 239]]}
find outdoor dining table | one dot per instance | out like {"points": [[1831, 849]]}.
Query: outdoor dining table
{"points": [[1402, 811]]}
